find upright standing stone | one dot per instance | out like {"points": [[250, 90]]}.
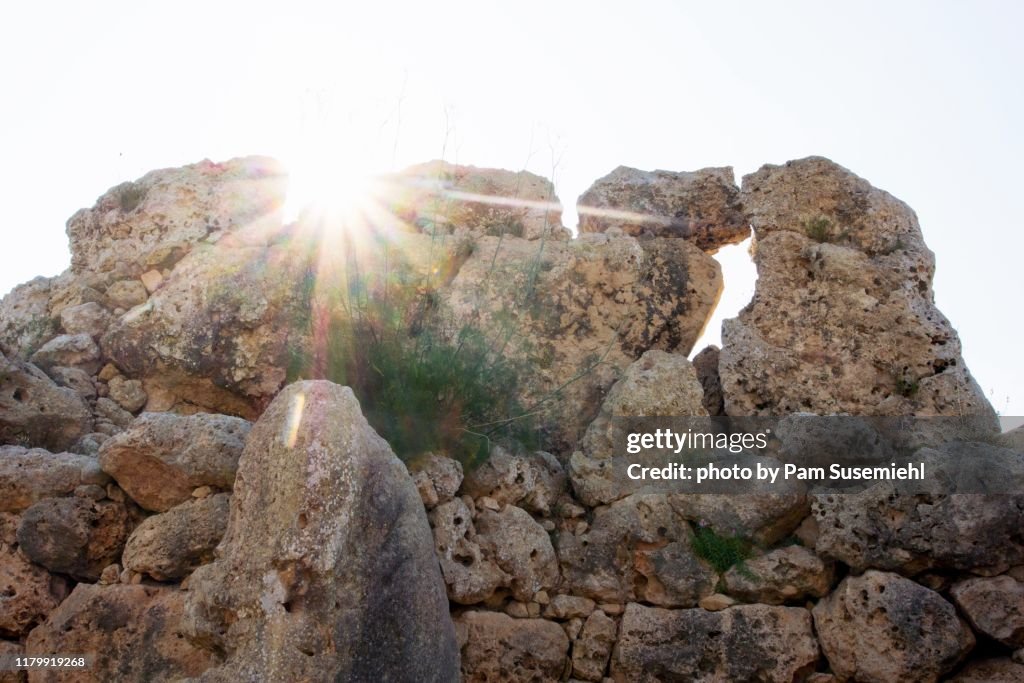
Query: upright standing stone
{"points": [[327, 570]]}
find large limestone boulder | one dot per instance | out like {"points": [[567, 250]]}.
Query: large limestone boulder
{"points": [[219, 332], [441, 198], [745, 643], [701, 206], [843, 318], [658, 384], [574, 314], [71, 351], [162, 458], [883, 627], [994, 606], [132, 632], [170, 545], [327, 571], [28, 476], [496, 647], [155, 220], [35, 411]]}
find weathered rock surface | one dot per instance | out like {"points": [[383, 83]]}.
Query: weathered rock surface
{"points": [[76, 379], [470, 577], [532, 481], [745, 643], [638, 548], [25, 320], [440, 198], [787, 574], [658, 384], [170, 545], [12, 649], [883, 627], [999, 670], [127, 393], [134, 633], [34, 411], [154, 220], [843, 318], [593, 647], [701, 206], [496, 647], [219, 333], [27, 592], [163, 457], [89, 318], [437, 478], [326, 571], [69, 350], [28, 476], [75, 536], [705, 364], [581, 309], [994, 606], [885, 528], [521, 548]]}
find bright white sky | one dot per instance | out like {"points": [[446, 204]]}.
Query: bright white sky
{"points": [[923, 99]]}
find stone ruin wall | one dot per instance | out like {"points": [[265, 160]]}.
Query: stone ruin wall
{"points": [[153, 510]]}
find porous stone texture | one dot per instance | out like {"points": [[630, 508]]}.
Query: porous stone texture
{"points": [[69, 350], [533, 481], [437, 478], [658, 384], [28, 476], [705, 364], [76, 379], [638, 548], [581, 311], [593, 647], [27, 592], [893, 527], [469, 576], [744, 643], [496, 647], [521, 549], [89, 318], [127, 393], [440, 198], [219, 333], [133, 633], [788, 574], [701, 206], [843, 318], [74, 536], [326, 571], [34, 411], [25, 320], [154, 220], [883, 627], [170, 545], [163, 457], [994, 606]]}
